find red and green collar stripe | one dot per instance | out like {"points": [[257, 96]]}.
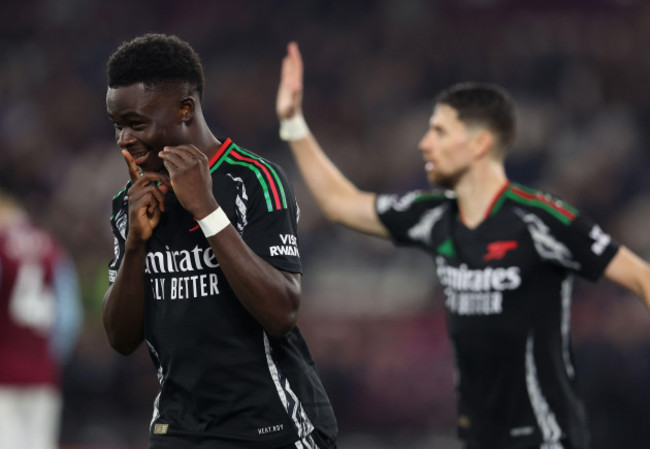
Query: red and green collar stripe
{"points": [[268, 178], [498, 200], [563, 212], [221, 153], [495, 205]]}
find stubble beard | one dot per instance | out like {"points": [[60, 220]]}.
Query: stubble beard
{"points": [[446, 181]]}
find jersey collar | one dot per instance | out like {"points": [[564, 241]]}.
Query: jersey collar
{"points": [[221, 154], [495, 204]]}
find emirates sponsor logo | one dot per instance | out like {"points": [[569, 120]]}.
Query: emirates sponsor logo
{"points": [[181, 261], [176, 275], [476, 292], [461, 278]]}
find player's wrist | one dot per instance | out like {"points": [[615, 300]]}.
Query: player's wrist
{"points": [[134, 244], [213, 223], [293, 128]]}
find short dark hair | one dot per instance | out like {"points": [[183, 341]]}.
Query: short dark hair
{"points": [[155, 59], [485, 104]]}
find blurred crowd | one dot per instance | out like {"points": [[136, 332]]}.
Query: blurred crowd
{"points": [[373, 316]]}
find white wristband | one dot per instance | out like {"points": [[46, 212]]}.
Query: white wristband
{"points": [[214, 222], [294, 128]]}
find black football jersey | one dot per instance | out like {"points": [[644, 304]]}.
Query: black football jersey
{"points": [[507, 287], [223, 381]]}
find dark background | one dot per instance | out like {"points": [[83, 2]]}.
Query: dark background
{"points": [[373, 317]]}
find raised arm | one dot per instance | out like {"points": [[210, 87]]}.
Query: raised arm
{"points": [[338, 198], [630, 271]]}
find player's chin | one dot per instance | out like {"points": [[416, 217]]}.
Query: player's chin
{"points": [[435, 178], [152, 163], [446, 182]]}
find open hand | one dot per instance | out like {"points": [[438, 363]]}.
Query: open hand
{"points": [[289, 99]]}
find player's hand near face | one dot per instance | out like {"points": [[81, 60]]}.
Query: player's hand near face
{"points": [[146, 200], [272, 296], [289, 99], [190, 179], [123, 309]]}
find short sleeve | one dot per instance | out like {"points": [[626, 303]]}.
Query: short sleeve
{"points": [[410, 218], [578, 244], [271, 229], [593, 248], [119, 226]]}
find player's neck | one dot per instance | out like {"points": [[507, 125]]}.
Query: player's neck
{"points": [[204, 140], [477, 191]]}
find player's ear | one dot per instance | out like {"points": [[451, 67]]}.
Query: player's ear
{"points": [[187, 109], [484, 143]]}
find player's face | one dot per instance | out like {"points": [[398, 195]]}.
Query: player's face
{"points": [[446, 147], [145, 121]]}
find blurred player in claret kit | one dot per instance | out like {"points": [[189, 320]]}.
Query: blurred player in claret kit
{"points": [[504, 254], [206, 269], [40, 315]]}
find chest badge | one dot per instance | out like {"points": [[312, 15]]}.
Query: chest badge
{"points": [[498, 250]]}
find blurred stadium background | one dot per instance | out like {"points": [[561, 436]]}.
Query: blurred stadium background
{"points": [[579, 71]]}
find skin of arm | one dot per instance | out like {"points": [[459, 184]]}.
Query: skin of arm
{"points": [[337, 197], [271, 295], [630, 271], [123, 307]]}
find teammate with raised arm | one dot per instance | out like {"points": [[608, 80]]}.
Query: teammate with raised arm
{"points": [[504, 254], [206, 268]]}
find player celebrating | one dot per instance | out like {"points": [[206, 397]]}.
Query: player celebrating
{"points": [[504, 254], [206, 268]]}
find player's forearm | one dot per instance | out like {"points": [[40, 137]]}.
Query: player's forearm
{"points": [[339, 199], [644, 287], [630, 271], [326, 182], [123, 309], [271, 296]]}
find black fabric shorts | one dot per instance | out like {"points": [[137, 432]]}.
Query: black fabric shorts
{"points": [[563, 445], [322, 442]]}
